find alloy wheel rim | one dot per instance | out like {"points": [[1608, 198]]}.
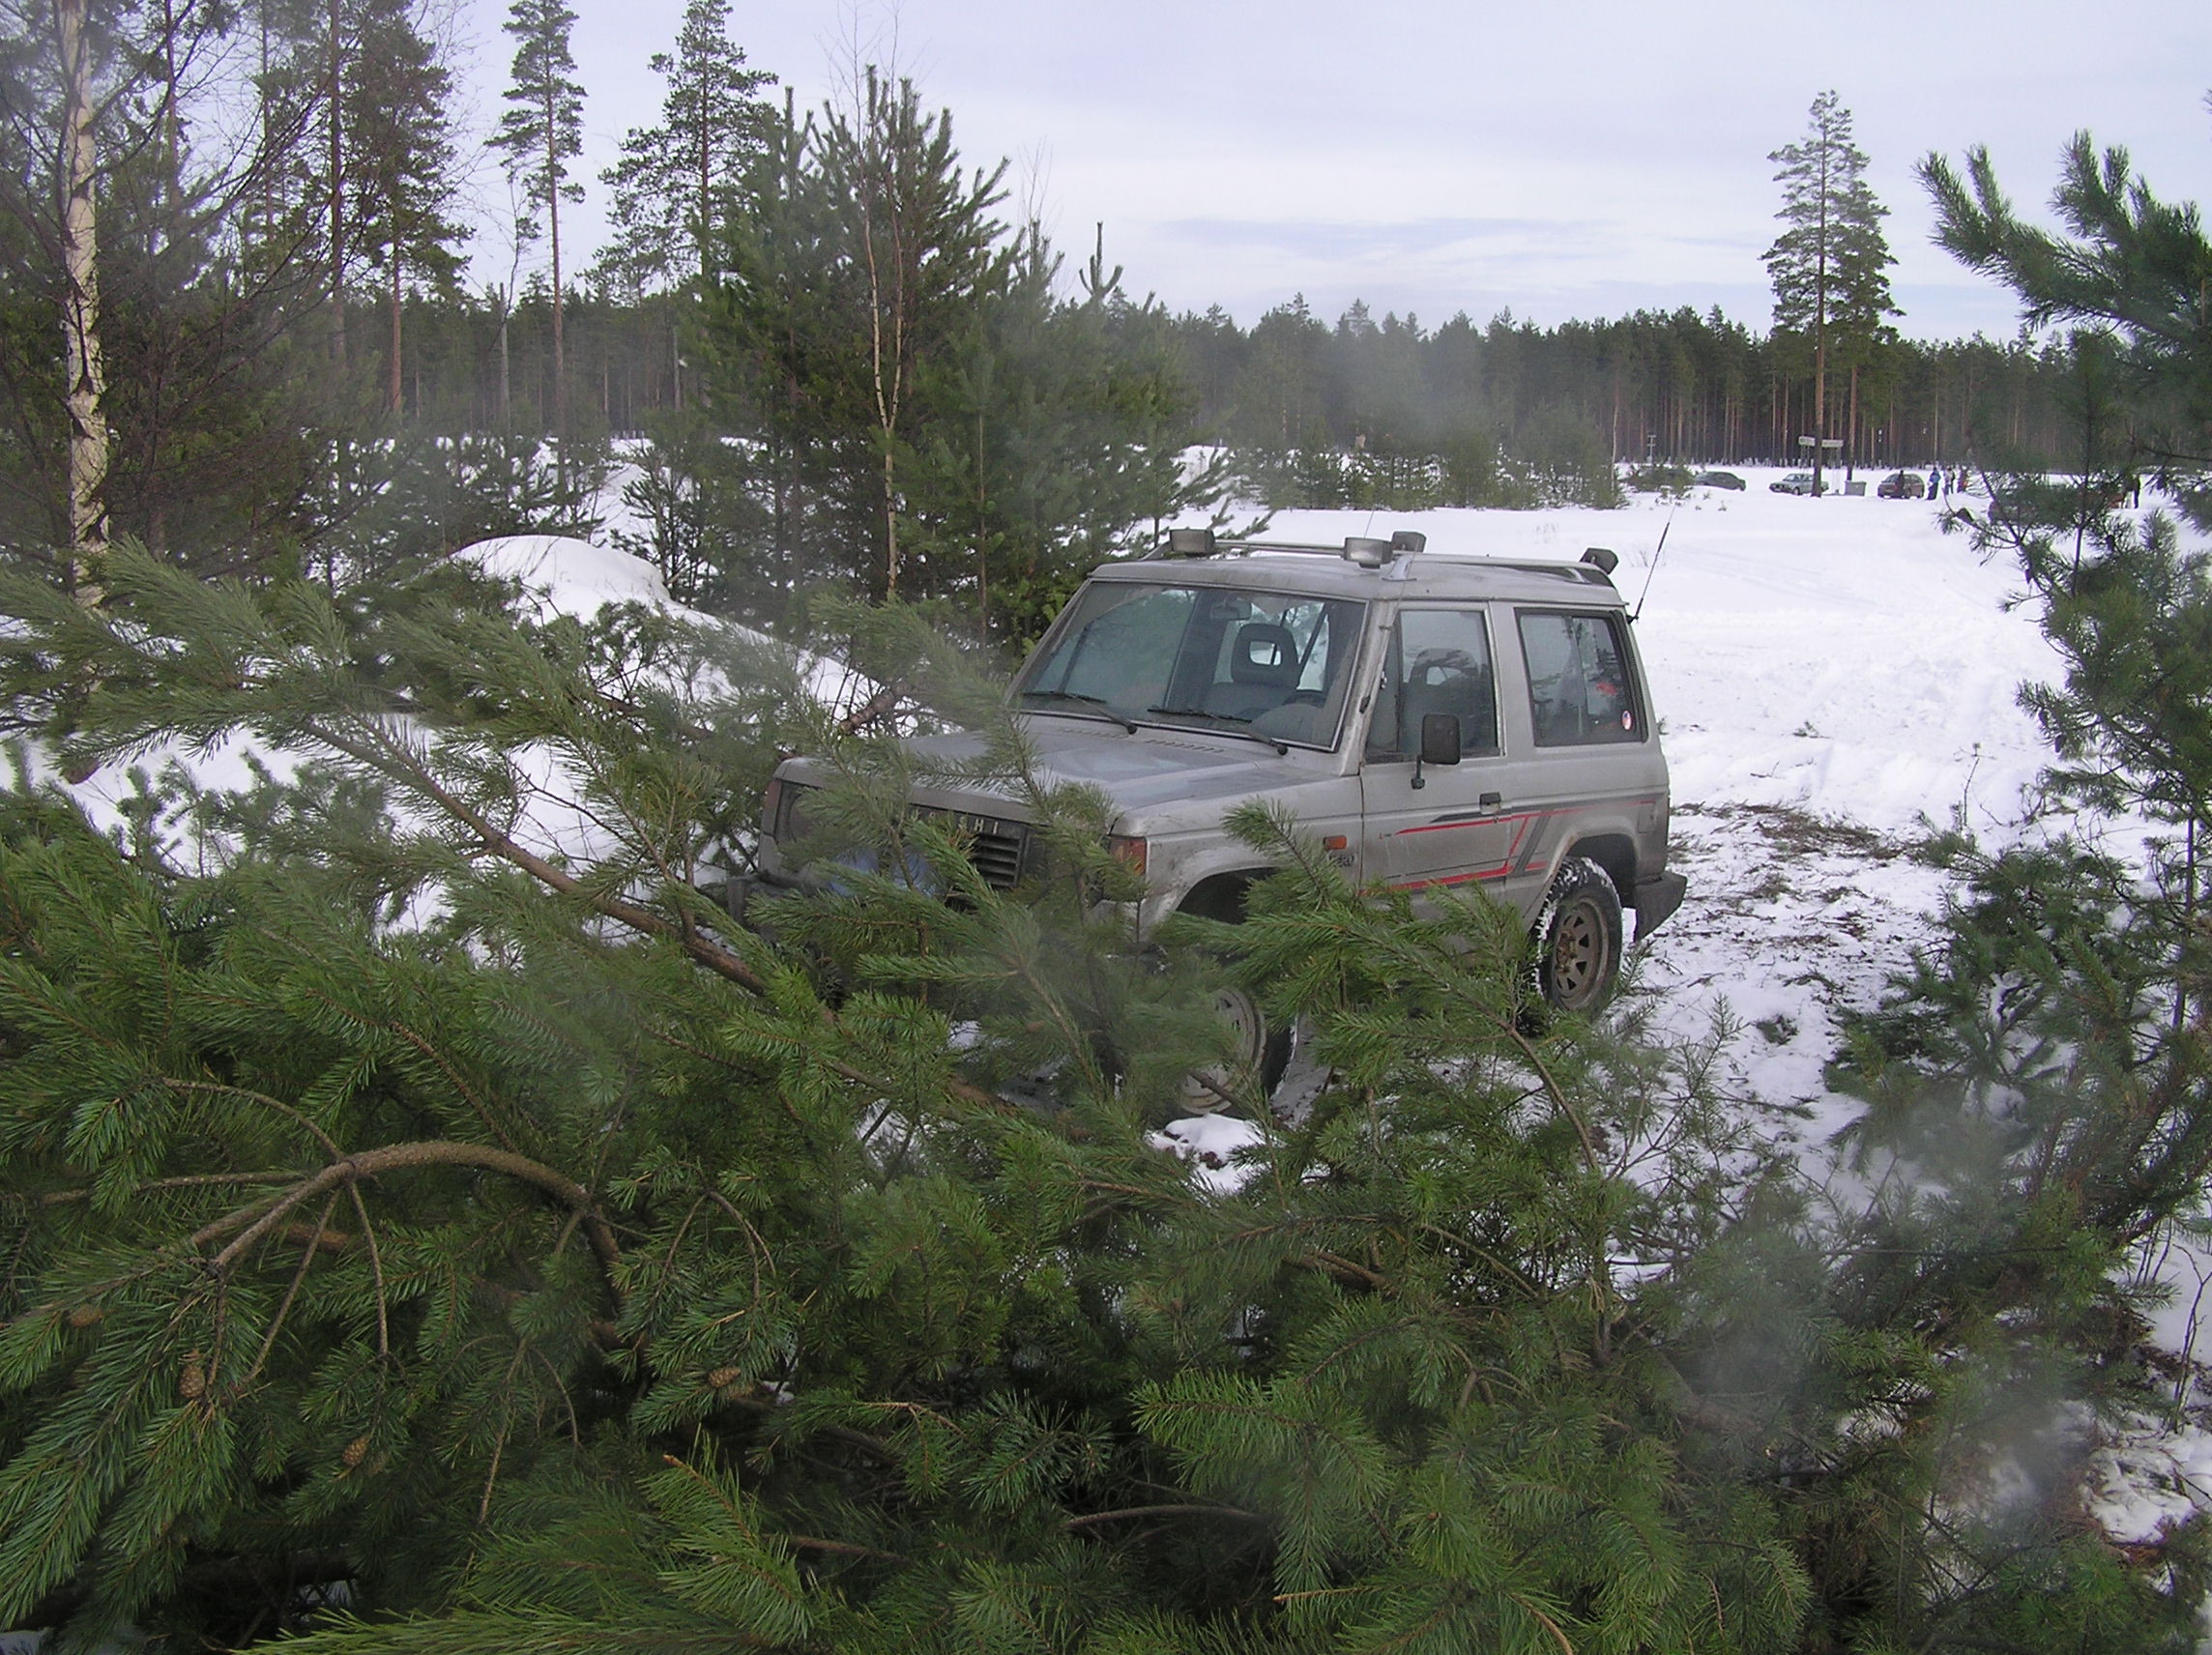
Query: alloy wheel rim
{"points": [[1578, 954], [1237, 1008]]}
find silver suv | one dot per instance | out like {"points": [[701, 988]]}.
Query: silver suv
{"points": [[1435, 721]]}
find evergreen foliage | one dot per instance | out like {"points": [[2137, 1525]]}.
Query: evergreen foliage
{"points": [[1395, 415], [541, 132], [397, 112], [398, 1200], [678, 183], [947, 404], [269, 305], [1830, 268], [419, 1192]]}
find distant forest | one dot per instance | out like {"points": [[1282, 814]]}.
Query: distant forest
{"points": [[1671, 386]]}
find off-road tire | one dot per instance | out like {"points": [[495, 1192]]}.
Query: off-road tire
{"points": [[1262, 1049], [1578, 938]]}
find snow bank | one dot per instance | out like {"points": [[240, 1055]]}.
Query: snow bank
{"points": [[562, 575]]}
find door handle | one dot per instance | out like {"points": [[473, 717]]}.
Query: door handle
{"points": [[1491, 801]]}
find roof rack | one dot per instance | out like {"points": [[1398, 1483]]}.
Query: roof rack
{"points": [[1360, 549], [1595, 565]]}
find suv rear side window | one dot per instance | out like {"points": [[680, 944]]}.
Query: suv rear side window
{"points": [[1438, 661], [1579, 687]]}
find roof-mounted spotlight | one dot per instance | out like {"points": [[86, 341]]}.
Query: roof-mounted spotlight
{"points": [[1409, 541], [1367, 553], [1602, 559], [1190, 543]]}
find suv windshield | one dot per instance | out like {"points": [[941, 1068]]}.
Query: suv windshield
{"points": [[1262, 663]]}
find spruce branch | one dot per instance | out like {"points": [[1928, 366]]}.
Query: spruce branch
{"points": [[1132, 1513], [396, 762], [400, 1157], [375, 1271], [307, 1251]]}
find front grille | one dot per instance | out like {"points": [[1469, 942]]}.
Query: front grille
{"points": [[996, 847]]}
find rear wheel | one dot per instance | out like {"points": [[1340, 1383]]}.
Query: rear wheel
{"points": [[1579, 938]]}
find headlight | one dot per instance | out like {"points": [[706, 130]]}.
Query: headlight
{"points": [[783, 811], [1129, 851]]}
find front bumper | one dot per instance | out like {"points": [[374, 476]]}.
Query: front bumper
{"points": [[1656, 898]]}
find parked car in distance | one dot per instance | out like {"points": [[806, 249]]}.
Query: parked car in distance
{"points": [[1903, 485], [1796, 482], [1718, 480], [1435, 723]]}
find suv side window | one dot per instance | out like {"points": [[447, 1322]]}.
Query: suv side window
{"points": [[1579, 687], [1438, 661]]}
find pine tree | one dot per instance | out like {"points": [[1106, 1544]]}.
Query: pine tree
{"points": [[1830, 266], [919, 245], [680, 182], [2043, 1070], [542, 132], [402, 161]]}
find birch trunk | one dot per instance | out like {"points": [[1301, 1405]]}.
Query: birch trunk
{"points": [[560, 349], [80, 312]]}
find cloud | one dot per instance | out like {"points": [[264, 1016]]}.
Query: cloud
{"points": [[1325, 237]]}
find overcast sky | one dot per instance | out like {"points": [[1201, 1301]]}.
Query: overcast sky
{"points": [[1576, 159]]}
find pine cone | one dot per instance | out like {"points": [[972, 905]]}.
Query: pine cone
{"points": [[85, 1314], [355, 1453], [191, 1382], [722, 1376]]}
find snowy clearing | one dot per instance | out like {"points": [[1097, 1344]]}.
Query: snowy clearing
{"points": [[1832, 678]]}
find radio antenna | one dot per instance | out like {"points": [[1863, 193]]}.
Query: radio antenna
{"points": [[1657, 554]]}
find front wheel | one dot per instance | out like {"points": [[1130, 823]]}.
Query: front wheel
{"points": [[1258, 1050], [1579, 938]]}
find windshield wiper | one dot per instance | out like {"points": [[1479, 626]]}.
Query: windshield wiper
{"points": [[1200, 712], [1105, 709], [1282, 748]]}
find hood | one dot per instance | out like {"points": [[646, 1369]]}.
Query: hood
{"points": [[1152, 771]]}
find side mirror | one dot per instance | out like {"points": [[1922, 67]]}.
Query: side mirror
{"points": [[1439, 738], [1440, 743]]}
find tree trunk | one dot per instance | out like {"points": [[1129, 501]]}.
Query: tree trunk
{"points": [[397, 388], [505, 383], [983, 536], [553, 227], [83, 368], [1820, 336], [337, 198], [1851, 429]]}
